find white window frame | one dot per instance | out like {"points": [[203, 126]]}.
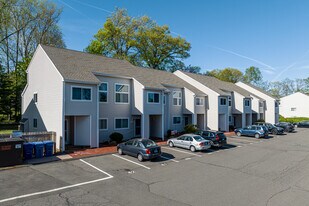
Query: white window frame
{"points": [[178, 98], [36, 123], [122, 93], [106, 124], [225, 101], [101, 91], [153, 98], [201, 99], [177, 123], [81, 100], [35, 101], [247, 100], [121, 118]]}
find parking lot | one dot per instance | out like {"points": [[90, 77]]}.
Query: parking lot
{"points": [[248, 171]]}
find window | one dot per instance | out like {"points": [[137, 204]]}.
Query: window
{"points": [[222, 101], [247, 102], [79, 93], [35, 97], [177, 98], [122, 123], [199, 101], [35, 123], [122, 93], [293, 109], [103, 124], [153, 97], [103, 89], [230, 101], [261, 104], [276, 104], [176, 120]]}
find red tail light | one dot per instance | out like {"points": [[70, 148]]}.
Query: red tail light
{"points": [[148, 151], [201, 143], [217, 138]]}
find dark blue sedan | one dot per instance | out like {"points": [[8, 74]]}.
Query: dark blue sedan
{"points": [[143, 149]]}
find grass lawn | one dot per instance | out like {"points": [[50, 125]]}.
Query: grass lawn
{"points": [[6, 131]]}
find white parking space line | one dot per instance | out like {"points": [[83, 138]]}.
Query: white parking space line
{"points": [[62, 188], [190, 153], [169, 159], [148, 168]]}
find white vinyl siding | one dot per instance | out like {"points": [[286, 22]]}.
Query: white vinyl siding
{"points": [[81, 94], [103, 124], [103, 92], [121, 123], [177, 98], [176, 120], [122, 93], [153, 98]]}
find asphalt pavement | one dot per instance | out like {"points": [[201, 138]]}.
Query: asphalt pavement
{"points": [[247, 172]]}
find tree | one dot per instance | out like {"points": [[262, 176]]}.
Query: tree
{"points": [[227, 74], [252, 75], [140, 41], [24, 24]]}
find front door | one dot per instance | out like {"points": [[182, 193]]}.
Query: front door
{"points": [[186, 120], [137, 127], [66, 132]]}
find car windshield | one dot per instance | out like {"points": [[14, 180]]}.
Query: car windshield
{"points": [[198, 138], [148, 143]]}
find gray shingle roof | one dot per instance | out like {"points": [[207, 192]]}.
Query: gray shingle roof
{"points": [[260, 90], [221, 87], [81, 66]]}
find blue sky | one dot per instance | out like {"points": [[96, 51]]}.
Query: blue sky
{"points": [[270, 34]]}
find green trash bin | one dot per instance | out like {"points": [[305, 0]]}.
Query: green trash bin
{"points": [[11, 151]]}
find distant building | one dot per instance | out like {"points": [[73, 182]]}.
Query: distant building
{"points": [[295, 105]]}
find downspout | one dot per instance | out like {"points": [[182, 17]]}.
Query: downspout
{"points": [[162, 116]]}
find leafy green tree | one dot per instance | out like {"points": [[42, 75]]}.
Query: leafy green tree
{"points": [[252, 75], [140, 41], [227, 74]]}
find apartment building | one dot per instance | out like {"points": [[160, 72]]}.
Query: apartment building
{"points": [[85, 97], [271, 104]]}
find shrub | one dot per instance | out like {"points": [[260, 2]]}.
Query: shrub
{"points": [[190, 128], [293, 119], [117, 137]]}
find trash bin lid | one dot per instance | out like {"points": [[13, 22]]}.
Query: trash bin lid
{"points": [[48, 142], [37, 143]]}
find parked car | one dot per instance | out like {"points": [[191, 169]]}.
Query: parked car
{"points": [[190, 141], [271, 128], [303, 124], [216, 138], [288, 127], [143, 149], [254, 131]]}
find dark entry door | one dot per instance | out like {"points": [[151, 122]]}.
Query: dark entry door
{"points": [[137, 126]]}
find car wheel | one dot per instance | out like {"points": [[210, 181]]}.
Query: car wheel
{"points": [[275, 132], [192, 148], [171, 144], [140, 157], [120, 151], [257, 135], [238, 134]]}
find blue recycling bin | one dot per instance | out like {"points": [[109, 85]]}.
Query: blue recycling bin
{"points": [[38, 149], [28, 150], [49, 147]]}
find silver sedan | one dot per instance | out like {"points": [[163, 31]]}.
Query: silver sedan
{"points": [[190, 141]]}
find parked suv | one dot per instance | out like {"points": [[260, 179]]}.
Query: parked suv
{"points": [[288, 127], [271, 128], [217, 139], [254, 131], [303, 124]]}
